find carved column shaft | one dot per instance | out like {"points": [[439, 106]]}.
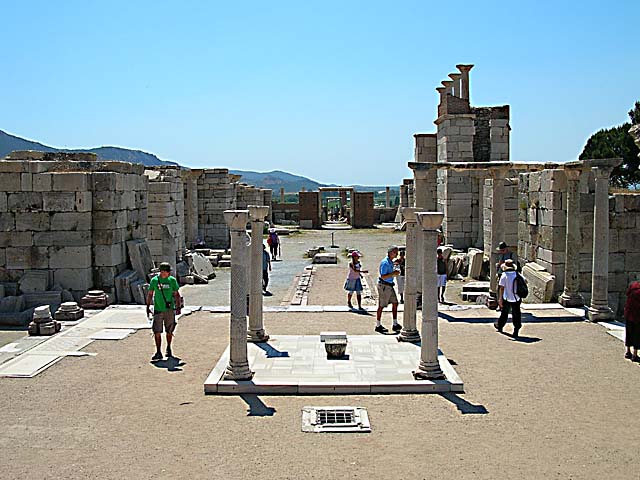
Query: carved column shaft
{"points": [[571, 295], [238, 368], [409, 331], [256, 331], [429, 367], [497, 223]]}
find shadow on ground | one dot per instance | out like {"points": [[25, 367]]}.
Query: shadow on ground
{"points": [[464, 407], [171, 364], [257, 408]]}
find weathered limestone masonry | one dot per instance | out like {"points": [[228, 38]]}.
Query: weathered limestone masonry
{"points": [[543, 234], [71, 216], [464, 134], [216, 194], [166, 207], [510, 232]]}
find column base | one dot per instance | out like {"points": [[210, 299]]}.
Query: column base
{"points": [[599, 313], [238, 372], [409, 336], [571, 300], [429, 371], [257, 336]]}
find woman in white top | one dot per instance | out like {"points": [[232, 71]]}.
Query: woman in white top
{"points": [[353, 282]]}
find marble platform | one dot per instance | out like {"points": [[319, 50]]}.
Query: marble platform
{"points": [[298, 364]]}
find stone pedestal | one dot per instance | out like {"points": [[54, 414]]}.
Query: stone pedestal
{"points": [[42, 323], [69, 311], [571, 296], [429, 367], [599, 309], [94, 300], [409, 331], [256, 331], [238, 368], [498, 175]]}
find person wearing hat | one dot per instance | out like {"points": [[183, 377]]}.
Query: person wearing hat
{"points": [[386, 292], [163, 291], [508, 299], [504, 254], [353, 282], [274, 242]]}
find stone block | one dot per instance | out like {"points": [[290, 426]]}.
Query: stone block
{"points": [[70, 257], [105, 200], [7, 222], [202, 266], [26, 182], [123, 283], [74, 278], [27, 258], [109, 255], [11, 182], [325, 258], [32, 221], [34, 281], [84, 202], [24, 202], [71, 221], [103, 181], [541, 284], [110, 237], [109, 220], [62, 239], [42, 182], [59, 201], [140, 257], [70, 181], [95, 300], [52, 300], [139, 291]]}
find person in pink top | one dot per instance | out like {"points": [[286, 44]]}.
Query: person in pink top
{"points": [[353, 282]]}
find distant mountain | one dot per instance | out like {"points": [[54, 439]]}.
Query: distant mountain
{"points": [[10, 143]]}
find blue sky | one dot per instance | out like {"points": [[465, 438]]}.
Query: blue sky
{"points": [[329, 90]]}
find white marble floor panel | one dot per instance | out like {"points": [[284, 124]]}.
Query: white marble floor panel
{"points": [[299, 364]]}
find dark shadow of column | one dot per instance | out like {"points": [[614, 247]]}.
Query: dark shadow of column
{"points": [[256, 406], [464, 407]]}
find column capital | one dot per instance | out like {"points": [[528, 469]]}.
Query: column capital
{"points": [[430, 220], [573, 174], [409, 214], [499, 172], [602, 172], [257, 213], [464, 68], [236, 219], [455, 76]]}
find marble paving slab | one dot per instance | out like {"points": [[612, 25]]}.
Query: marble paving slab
{"points": [[297, 364]]}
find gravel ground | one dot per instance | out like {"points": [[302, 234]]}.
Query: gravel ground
{"points": [[552, 405]]}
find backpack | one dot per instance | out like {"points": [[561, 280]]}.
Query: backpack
{"points": [[520, 286]]}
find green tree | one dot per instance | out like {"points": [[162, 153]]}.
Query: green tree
{"points": [[616, 142]]}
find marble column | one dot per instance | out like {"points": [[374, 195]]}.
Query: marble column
{"points": [[498, 175], [429, 367], [238, 368], [464, 80], [256, 331], [442, 92], [571, 295], [191, 207], [387, 198], [409, 331], [448, 86], [281, 195], [421, 200], [599, 308]]}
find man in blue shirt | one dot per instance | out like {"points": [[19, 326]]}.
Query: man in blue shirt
{"points": [[386, 292]]}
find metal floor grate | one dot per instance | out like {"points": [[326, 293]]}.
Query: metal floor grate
{"points": [[335, 419]]}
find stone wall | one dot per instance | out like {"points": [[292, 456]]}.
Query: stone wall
{"points": [[511, 219], [542, 232], [216, 194], [69, 215], [384, 214], [285, 212], [459, 199], [309, 213], [363, 212], [166, 207]]}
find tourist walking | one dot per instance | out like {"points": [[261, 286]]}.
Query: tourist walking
{"points": [[386, 290], [401, 262], [632, 320], [508, 298], [505, 254], [353, 284], [266, 268], [442, 274], [164, 292], [274, 244]]}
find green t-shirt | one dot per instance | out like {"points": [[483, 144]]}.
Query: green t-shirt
{"points": [[168, 286]]}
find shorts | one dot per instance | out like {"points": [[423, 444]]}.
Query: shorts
{"points": [[386, 295], [442, 280], [166, 319], [400, 279], [354, 285]]}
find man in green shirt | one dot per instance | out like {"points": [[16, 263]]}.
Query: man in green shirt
{"points": [[163, 291]]}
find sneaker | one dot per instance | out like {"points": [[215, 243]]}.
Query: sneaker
{"points": [[497, 327], [515, 332], [381, 329], [169, 354], [157, 356], [636, 359], [397, 327], [627, 355]]}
